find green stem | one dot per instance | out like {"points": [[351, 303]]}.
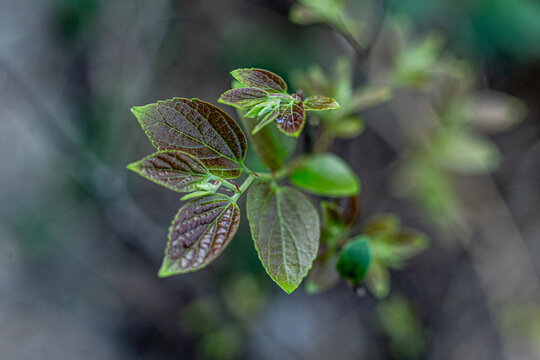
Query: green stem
{"points": [[251, 177]]}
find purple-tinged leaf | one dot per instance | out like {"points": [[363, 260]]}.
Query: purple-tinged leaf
{"points": [[291, 118], [260, 79], [176, 170], [243, 98], [319, 103], [199, 233], [198, 128]]}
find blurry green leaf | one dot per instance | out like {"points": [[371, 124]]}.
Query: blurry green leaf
{"points": [[244, 296], [199, 233], [285, 228], [323, 276], [201, 316], [325, 174], [378, 279], [243, 98], [291, 118], [354, 259], [493, 111], [347, 128], [198, 128], [223, 344], [415, 61], [406, 336], [173, 169], [319, 102], [382, 226], [303, 15], [466, 153], [370, 96], [408, 243], [260, 79]]}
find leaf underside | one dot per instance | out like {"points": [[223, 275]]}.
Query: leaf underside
{"points": [[173, 169], [198, 128], [285, 229], [260, 79], [199, 233]]}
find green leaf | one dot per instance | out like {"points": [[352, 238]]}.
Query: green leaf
{"points": [[466, 154], [291, 118], [198, 128], [271, 116], [303, 15], [378, 279], [199, 233], [173, 169], [323, 276], [325, 174], [285, 229], [347, 128], [382, 226], [368, 97], [243, 98], [319, 102], [354, 259], [260, 79]]}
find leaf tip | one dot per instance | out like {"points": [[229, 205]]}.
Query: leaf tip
{"points": [[134, 167]]}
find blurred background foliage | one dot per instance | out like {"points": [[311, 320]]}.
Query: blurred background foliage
{"points": [[439, 119]]}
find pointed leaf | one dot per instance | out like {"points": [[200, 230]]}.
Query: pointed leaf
{"points": [[173, 169], [199, 233], [260, 79], [378, 279], [243, 98], [291, 118], [354, 259], [319, 102], [285, 228], [325, 174], [271, 116], [198, 128]]}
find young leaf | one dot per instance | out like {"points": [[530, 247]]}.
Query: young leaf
{"points": [[325, 174], [198, 128], [378, 279], [285, 228], [382, 226], [291, 118], [176, 170], [199, 233], [271, 145], [243, 98], [319, 103], [271, 116], [347, 128], [354, 259], [323, 276], [260, 79]]}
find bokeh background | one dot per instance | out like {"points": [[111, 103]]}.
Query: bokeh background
{"points": [[81, 238]]}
